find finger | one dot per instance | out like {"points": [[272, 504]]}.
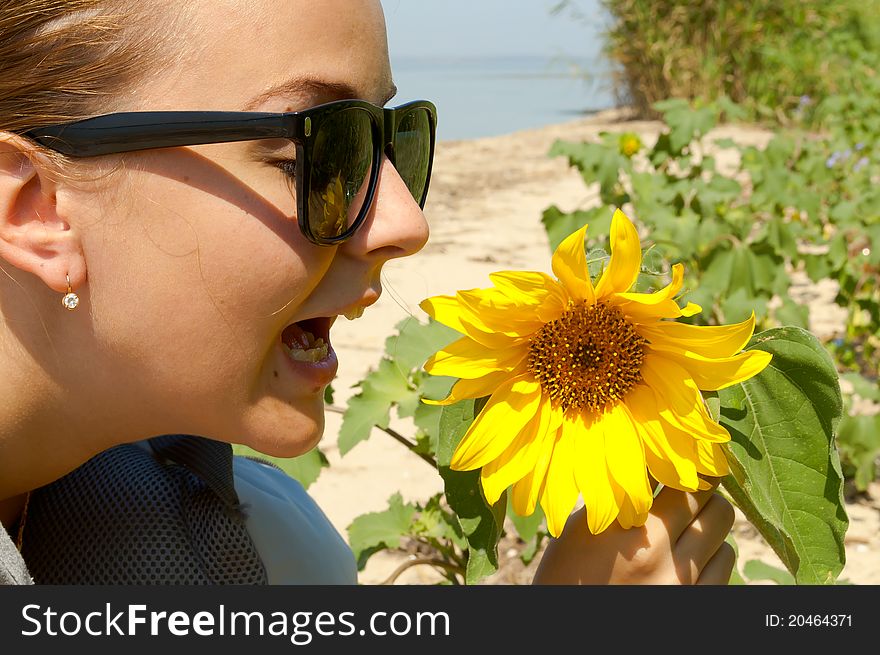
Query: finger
{"points": [[700, 541], [718, 570], [678, 508]]}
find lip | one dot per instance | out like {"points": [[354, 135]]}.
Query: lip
{"points": [[321, 373], [317, 374]]}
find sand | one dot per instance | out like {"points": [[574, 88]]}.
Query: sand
{"points": [[484, 211]]}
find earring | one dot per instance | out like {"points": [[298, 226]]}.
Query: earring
{"points": [[70, 299]]}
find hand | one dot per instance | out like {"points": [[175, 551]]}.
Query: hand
{"points": [[682, 542]]}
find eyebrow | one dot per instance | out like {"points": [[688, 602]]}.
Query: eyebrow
{"points": [[299, 86]]}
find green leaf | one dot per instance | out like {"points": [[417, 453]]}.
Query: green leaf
{"points": [[685, 122], [862, 386], [372, 405], [739, 305], [435, 523], [780, 237], [735, 577], [817, 267], [757, 570], [427, 417], [379, 530], [559, 225], [859, 440], [481, 524], [415, 342], [526, 526], [782, 425], [792, 313], [305, 468]]}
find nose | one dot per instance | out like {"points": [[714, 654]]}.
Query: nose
{"points": [[395, 225]]}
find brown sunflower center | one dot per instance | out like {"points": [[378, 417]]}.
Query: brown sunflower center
{"points": [[588, 358]]}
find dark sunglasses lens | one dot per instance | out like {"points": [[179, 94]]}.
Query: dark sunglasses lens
{"points": [[412, 151], [341, 163]]}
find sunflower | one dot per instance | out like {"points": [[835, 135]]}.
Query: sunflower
{"points": [[591, 387]]}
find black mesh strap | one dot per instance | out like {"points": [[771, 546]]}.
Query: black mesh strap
{"points": [[210, 460], [129, 517]]}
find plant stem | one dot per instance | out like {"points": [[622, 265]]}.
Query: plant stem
{"points": [[446, 566], [394, 435]]}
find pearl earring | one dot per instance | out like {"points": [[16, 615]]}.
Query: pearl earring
{"points": [[70, 299]]}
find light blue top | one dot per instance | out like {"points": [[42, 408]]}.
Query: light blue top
{"points": [[295, 539]]}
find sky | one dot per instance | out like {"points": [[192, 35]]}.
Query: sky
{"points": [[497, 66], [477, 28]]}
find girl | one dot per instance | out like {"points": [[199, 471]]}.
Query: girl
{"points": [[179, 273]]}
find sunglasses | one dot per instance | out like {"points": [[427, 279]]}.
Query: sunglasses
{"points": [[339, 148]]}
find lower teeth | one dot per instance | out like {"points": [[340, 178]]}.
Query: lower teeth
{"points": [[315, 353]]}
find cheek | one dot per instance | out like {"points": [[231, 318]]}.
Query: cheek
{"points": [[194, 287]]}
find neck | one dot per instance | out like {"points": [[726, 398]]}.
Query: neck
{"points": [[10, 511], [42, 436], [58, 402]]}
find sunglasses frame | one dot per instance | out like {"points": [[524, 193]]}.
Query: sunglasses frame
{"points": [[133, 131]]}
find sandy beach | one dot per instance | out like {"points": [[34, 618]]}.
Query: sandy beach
{"points": [[484, 211]]}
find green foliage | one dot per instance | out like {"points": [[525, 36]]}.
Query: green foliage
{"points": [[481, 523], [449, 531], [757, 570], [804, 202], [859, 440], [780, 59], [400, 383], [377, 530], [786, 477], [305, 468]]}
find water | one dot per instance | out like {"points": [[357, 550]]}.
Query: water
{"points": [[488, 96]]}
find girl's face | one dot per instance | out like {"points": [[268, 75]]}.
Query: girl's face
{"points": [[194, 260]]}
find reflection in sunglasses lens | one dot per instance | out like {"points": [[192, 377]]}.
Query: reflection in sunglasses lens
{"points": [[412, 150], [341, 159]]}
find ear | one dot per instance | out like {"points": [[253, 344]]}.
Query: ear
{"points": [[34, 235]]}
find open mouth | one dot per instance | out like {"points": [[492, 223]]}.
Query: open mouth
{"points": [[308, 340]]}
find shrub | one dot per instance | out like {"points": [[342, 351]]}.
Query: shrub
{"points": [[776, 57]]}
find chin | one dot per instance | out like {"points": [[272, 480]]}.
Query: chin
{"points": [[284, 436]]}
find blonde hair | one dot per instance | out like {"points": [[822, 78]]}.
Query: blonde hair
{"points": [[63, 60]]}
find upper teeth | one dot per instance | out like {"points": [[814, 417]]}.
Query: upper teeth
{"points": [[357, 312]]}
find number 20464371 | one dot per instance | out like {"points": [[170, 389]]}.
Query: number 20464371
{"points": [[808, 620]]}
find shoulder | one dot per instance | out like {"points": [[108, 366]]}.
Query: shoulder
{"points": [[296, 541], [12, 568]]}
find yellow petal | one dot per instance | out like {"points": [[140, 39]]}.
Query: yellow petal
{"points": [[651, 307], [478, 387], [527, 491], [666, 293], [628, 517], [465, 358], [521, 456], [560, 491], [569, 264], [626, 258], [706, 340], [505, 414], [501, 314], [671, 454], [625, 455], [719, 373], [678, 399], [532, 288], [602, 497], [449, 311], [712, 460]]}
